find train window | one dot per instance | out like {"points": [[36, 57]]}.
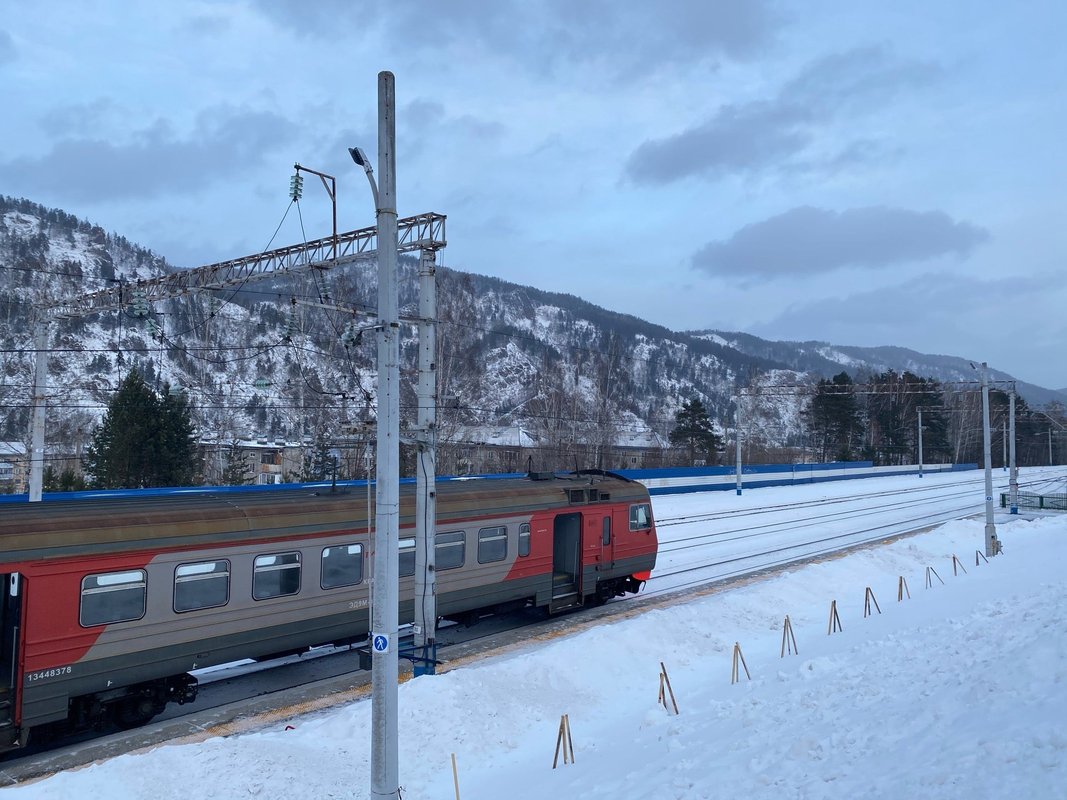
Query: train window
{"points": [[524, 539], [203, 585], [407, 557], [492, 544], [276, 575], [640, 517], [451, 550], [112, 597], [342, 566], [605, 538]]}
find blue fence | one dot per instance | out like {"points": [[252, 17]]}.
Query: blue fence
{"points": [[674, 480], [705, 479]]}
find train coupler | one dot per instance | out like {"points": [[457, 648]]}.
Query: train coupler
{"points": [[182, 689]]}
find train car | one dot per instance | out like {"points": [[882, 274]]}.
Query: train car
{"points": [[108, 604]]}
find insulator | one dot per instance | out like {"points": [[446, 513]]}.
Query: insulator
{"points": [[140, 303], [292, 326], [351, 336], [296, 186]]}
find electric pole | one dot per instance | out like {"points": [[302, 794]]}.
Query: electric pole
{"points": [[991, 544], [385, 671]]}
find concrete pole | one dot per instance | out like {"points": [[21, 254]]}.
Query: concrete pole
{"points": [[1013, 476], [1004, 444], [1050, 447], [737, 436], [991, 543], [40, 379], [920, 442], [385, 672], [426, 493]]}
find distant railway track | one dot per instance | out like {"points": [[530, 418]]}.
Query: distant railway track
{"points": [[790, 532]]}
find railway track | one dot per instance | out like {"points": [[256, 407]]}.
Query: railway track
{"points": [[696, 549]]}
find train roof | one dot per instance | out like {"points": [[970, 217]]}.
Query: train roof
{"points": [[123, 522]]}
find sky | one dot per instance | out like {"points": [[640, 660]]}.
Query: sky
{"points": [[863, 174], [956, 691]]}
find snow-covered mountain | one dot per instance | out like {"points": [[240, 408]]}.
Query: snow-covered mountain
{"points": [[282, 359], [826, 359]]}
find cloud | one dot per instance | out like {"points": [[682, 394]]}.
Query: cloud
{"points": [[7, 48], [737, 138], [934, 313], [811, 240], [769, 133], [556, 34], [863, 76], [81, 116], [225, 142]]}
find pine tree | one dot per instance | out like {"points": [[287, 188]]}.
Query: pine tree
{"points": [[319, 464], [66, 481], [694, 432], [144, 440], [176, 457], [835, 418], [235, 472]]}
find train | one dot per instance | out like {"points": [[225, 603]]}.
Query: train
{"points": [[109, 603]]}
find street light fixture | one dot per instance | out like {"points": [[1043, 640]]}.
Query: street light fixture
{"points": [[361, 160]]}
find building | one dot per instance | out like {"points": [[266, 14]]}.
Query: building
{"points": [[257, 461], [14, 468]]}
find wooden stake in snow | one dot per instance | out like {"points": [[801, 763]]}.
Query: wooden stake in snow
{"points": [[735, 675], [902, 588], [869, 597], [957, 563], [564, 740], [835, 621], [455, 775], [979, 554], [665, 683], [789, 641], [932, 571]]}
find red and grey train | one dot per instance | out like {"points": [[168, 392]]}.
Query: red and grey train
{"points": [[109, 603]]}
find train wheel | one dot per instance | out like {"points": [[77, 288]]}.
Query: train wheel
{"points": [[133, 712]]}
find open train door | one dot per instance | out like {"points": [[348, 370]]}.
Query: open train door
{"points": [[10, 639], [566, 562]]}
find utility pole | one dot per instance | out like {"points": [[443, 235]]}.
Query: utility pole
{"points": [[1013, 475], [920, 442], [385, 671], [1004, 444], [1050, 447], [40, 378], [991, 544], [737, 435], [426, 476]]}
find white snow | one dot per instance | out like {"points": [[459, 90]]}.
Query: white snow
{"points": [[958, 692]]}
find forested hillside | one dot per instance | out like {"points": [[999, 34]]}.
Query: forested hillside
{"points": [[286, 361]]}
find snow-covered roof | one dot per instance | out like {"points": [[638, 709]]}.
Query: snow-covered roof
{"points": [[494, 435]]}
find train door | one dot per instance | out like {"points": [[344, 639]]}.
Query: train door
{"points": [[607, 545], [566, 561], [10, 631]]}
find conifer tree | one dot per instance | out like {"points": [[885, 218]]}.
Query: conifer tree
{"points": [[144, 440], [235, 472], [319, 463], [693, 431], [835, 418]]}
